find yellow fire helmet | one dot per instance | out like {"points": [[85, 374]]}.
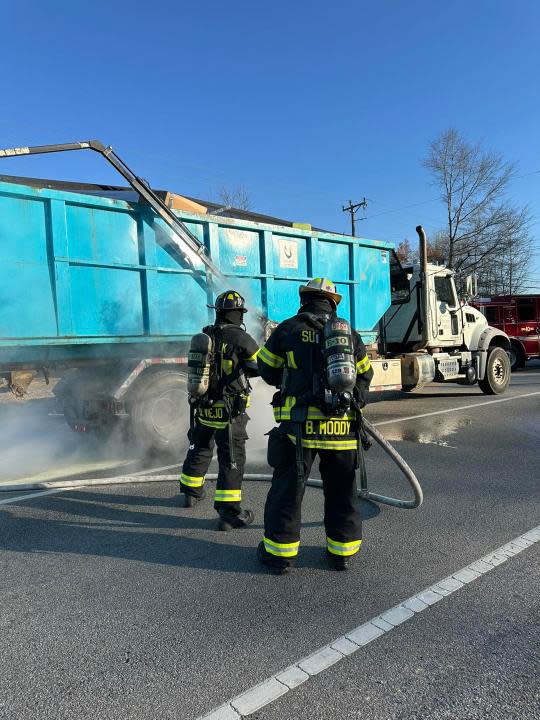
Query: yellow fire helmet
{"points": [[322, 286], [229, 300]]}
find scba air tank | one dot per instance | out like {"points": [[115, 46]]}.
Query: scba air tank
{"points": [[199, 364], [338, 352]]}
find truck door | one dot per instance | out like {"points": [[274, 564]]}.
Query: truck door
{"points": [[448, 317], [528, 325]]}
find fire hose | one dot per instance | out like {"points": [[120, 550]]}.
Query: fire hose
{"points": [[363, 490]]}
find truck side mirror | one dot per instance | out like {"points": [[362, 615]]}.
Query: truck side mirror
{"points": [[471, 285]]}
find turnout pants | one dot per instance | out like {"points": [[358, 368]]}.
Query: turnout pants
{"points": [[228, 494], [282, 512]]}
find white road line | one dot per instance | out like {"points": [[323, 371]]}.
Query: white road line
{"points": [[285, 680], [29, 496], [456, 409]]}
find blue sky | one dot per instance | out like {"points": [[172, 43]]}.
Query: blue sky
{"points": [[305, 104]]}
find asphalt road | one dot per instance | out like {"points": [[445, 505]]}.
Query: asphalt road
{"points": [[116, 603]]}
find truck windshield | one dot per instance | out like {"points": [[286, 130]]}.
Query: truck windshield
{"points": [[445, 291]]}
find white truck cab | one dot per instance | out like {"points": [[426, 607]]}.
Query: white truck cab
{"points": [[437, 336]]}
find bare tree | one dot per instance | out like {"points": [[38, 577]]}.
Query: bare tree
{"points": [[506, 271], [237, 197], [404, 252], [484, 232], [437, 250]]}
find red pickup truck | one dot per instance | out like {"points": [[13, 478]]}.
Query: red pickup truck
{"points": [[519, 317]]}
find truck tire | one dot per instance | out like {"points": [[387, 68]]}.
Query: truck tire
{"points": [[497, 374], [160, 415], [516, 357], [413, 388]]}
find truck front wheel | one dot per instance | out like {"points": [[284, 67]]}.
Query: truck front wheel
{"points": [[160, 414], [497, 374]]}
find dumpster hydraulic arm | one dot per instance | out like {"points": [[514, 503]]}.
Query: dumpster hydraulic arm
{"points": [[139, 185]]}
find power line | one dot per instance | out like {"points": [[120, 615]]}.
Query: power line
{"points": [[437, 199], [400, 209]]}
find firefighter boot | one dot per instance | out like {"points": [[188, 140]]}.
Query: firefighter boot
{"points": [[229, 520], [189, 501], [337, 562], [274, 564]]}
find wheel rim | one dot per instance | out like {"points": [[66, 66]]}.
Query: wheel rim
{"points": [[499, 371], [166, 414]]}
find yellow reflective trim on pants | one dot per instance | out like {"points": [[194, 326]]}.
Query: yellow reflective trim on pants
{"points": [[191, 481], [281, 549], [270, 358], [327, 444], [339, 548], [228, 495], [363, 365], [291, 362]]}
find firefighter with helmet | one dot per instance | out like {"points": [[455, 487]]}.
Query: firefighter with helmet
{"points": [[219, 417], [292, 360]]}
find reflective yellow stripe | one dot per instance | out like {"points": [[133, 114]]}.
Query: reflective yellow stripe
{"points": [[291, 362], [270, 358], [327, 444], [281, 549], [212, 423], [254, 356], [283, 412], [191, 481], [275, 544], [363, 365], [227, 366], [228, 495], [339, 548]]}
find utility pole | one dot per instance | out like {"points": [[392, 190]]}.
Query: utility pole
{"points": [[352, 208]]}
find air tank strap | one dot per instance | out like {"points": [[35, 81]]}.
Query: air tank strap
{"points": [[228, 402], [363, 444], [299, 415]]}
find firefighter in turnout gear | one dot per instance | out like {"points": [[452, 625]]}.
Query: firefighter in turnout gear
{"points": [[218, 412], [313, 421]]}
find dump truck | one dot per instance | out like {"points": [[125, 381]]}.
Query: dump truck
{"points": [[104, 287]]}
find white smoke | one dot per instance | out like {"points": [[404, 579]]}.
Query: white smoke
{"points": [[261, 421], [38, 445]]}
